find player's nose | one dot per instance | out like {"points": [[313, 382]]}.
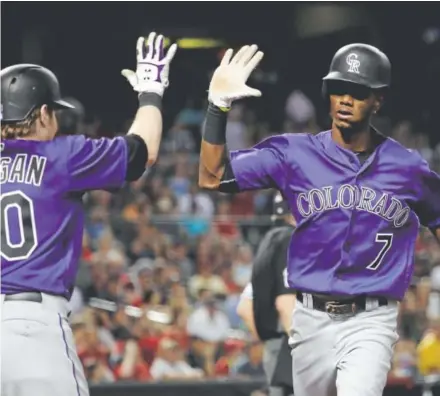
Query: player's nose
{"points": [[346, 100]]}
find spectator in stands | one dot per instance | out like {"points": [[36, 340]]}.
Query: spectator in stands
{"points": [[191, 114], [411, 315], [132, 366], [433, 309], [92, 351], [236, 129], [203, 203], [404, 364], [242, 265], [170, 364], [206, 280], [180, 183], [300, 114], [429, 350], [179, 255], [97, 372], [209, 323], [232, 360], [203, 355], [226, 225], [254, 366], [178, 301], [179, 138], [166, 203]]}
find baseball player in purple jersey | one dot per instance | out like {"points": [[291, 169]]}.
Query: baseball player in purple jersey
{"points": [[43, 178], [359, 199]]}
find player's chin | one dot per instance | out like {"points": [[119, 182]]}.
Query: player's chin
{"points": [[343, 124]]}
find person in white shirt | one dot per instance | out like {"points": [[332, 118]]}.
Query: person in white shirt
{"points": [[169, 363], [209, 323]]}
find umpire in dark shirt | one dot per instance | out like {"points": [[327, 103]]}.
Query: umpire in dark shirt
{"points": [[266, 303]]}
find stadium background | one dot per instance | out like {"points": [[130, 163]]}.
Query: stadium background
{"points": [[161, 253]]}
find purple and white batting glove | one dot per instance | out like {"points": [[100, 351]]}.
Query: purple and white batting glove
{"points": [[153, 65]]}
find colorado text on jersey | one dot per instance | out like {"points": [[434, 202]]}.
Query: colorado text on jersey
{"points": [[353, 197]]}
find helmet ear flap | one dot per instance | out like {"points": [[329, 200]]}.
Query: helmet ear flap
{"points": [[324, 93], [324, 89]]}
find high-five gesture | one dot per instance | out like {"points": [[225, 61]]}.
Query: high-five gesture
{"points": [[228, 82], [152, 65]]}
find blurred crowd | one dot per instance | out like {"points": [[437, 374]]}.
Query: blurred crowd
{"points": [[164, 263]]}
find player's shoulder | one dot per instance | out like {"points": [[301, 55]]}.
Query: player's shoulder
{"points": [[72, 140], [47, 148], [288, 140], [398, 153], [80, 144]]}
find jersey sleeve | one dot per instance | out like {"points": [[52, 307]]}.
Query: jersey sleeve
{"points": [[428, 197], [261, 166], [248, 292], [94, 164]]}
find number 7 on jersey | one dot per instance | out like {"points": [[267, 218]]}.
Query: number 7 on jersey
{"points": [[387, 241]]}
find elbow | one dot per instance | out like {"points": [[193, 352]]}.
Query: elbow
{"points": [[207, 181], [202, 182], [208, 184], [152, 157], [151, 161]]}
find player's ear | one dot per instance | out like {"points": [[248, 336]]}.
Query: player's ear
{"points": [[379, 97], [45, 115]]}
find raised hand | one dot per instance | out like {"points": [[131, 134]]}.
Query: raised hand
{"points": [[228, 82], [153, 65]]}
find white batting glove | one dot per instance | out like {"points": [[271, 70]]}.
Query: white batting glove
{"points": [[152, 65], [228, 82]]}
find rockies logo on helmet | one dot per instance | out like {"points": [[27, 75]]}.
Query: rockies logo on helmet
{"points": [[353, 62]]}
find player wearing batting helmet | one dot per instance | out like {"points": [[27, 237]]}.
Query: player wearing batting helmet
{"points": [[358, 198], [266, 303], [43, 179]]}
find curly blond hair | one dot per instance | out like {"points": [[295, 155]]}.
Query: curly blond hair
{"points": [[21, 128]]}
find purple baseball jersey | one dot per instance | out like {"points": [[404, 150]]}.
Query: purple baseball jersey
{"points": [[42, 216], [357, 223]]}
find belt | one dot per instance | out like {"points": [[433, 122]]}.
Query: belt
{"points": [[54, 303], [27, 296], [333, 307]]}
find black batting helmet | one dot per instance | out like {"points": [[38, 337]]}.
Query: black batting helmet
{"points": [[24, 88], [360, 64]]}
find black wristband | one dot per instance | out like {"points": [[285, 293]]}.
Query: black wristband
{"points": [[150, 99], [214, 128]]}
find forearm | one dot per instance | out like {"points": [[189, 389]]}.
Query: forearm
{"points": [[209, 366], [286, 321], [213, 148], [285, 305], [127, 367], [129, 360], [250, 324], [148, 124], [246, 312]]}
